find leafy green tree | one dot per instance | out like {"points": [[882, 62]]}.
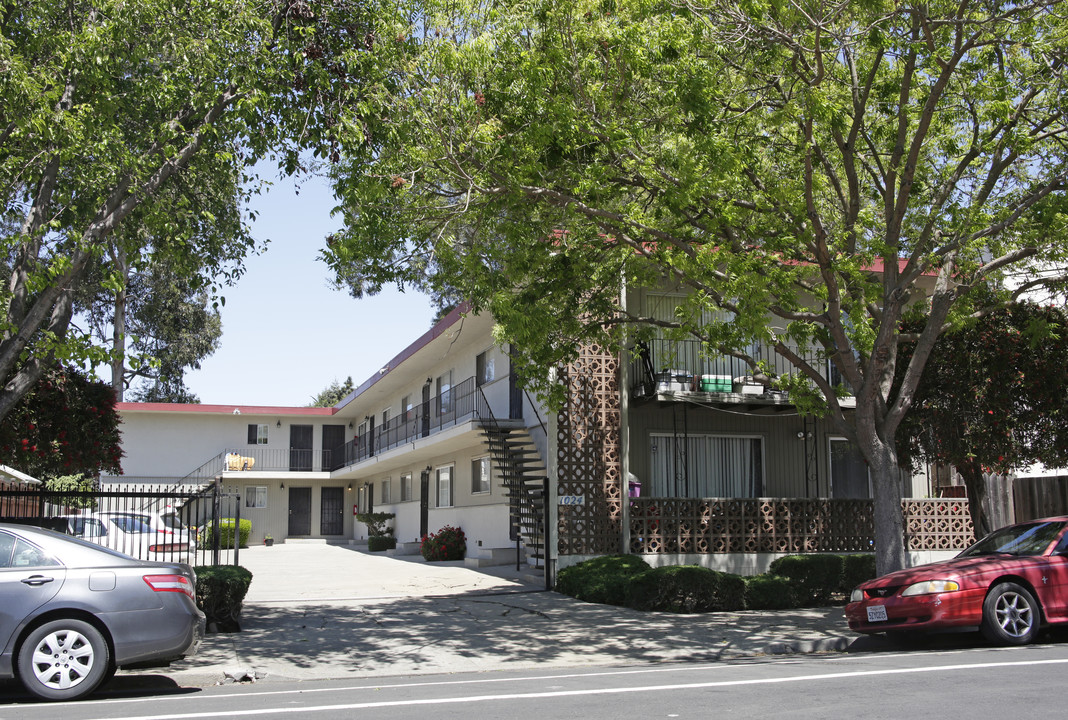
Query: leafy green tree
{"points": [[992, 398], [113, 113], [167, 325], [806, 172], [333, 393], [67, 425]]}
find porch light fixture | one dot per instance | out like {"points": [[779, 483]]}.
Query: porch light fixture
{"points": [[349, 488], [278, 424], [281, 486], [350, 424]]}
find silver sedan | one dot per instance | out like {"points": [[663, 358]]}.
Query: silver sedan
{"points": [[74, 612]]}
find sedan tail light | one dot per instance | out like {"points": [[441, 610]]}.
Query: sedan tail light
{"points": [[168, 548], [171, 583]]}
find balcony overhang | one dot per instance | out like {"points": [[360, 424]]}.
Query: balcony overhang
{"points": [[416, 452]]}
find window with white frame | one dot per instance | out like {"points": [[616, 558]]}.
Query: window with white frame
{"points": [[385, 416], [386, 495], [444, 477], [407, 407], [256, 496], [257, 434], [484, 371], [699, 466], [480, 475], [406, 487]]}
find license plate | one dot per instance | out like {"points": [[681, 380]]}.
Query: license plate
{"points": [[877, 613]]}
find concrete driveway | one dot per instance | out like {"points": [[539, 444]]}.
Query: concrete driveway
{"points": [[322, 611]]}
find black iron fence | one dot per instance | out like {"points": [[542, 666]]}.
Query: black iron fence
{"points": [[199, 525]]}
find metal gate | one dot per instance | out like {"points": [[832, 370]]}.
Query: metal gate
{"points": [[199, 525]]}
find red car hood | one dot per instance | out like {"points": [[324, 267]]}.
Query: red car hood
{"points": [[952, 568]]}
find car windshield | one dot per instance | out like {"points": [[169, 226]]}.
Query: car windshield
{"points": [[1025, 539], [131, 524]]}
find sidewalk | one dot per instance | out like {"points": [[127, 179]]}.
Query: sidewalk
{"points": [[318, 611]]}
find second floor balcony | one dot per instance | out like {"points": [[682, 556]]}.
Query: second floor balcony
{"points": [[463, 402], [683, 363]]}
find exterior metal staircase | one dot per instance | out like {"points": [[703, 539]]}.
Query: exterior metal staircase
{"points": [[523, 476]]}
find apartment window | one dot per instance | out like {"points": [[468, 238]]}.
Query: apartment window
{"points": [[406, 487], [444, 388], [385, 416], [256, 496], [444, 477], [386, 494], [705, 466], [407, 407], [480, 475], [849, 471], [257, 434], [484, 372]]}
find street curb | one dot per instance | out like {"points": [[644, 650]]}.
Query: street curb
{"points": [[804, 647]]}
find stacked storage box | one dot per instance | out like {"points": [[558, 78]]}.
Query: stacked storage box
{"points": [[716, 383]]}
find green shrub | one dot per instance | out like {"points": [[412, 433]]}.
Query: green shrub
{"points": [[815, 577], [378, 543], [602, 579], [769, 592], [855, 570], [449, 543], [220, 592], [226, 533], [686, 589], [376, 523]]}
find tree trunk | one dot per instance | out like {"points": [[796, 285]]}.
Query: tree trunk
{"points": [[118, 328], [889, 521], [977, 497]]}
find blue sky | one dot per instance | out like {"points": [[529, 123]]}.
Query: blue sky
{"points": [[287, 333]]}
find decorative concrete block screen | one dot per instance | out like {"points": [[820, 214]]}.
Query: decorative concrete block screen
{"points": [[588, 457], [761, 525]]}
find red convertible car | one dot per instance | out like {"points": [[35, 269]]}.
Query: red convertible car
{"points": [[1007, 585]]}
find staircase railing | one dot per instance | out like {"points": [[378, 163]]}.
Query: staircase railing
{"points": [[526, 513]]}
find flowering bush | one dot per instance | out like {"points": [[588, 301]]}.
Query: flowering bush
{"points": [[449, 543]]}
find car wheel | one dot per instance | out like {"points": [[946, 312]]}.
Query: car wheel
{"points": [[1010, 615], [63, 660]]}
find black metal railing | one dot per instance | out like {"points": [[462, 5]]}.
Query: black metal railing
{"points": [[173, 524], [691, 358], [459, 403]]}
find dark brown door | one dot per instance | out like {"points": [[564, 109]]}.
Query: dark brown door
{"points": [[300, 447], [332, 512], [424, 503], [299, 511], [333, 446]]}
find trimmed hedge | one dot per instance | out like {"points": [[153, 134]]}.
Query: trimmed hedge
{"points": [[814, 577], [601, 580], [226, 533], [686, 589], [793, 581], [769, 592], [378, 543], [220, 591], [855, 570]]}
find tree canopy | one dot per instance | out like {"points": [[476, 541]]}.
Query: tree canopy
{"points": [[68, 425], [992, 398], [333, 393], [118, 121], [805, 172]]}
